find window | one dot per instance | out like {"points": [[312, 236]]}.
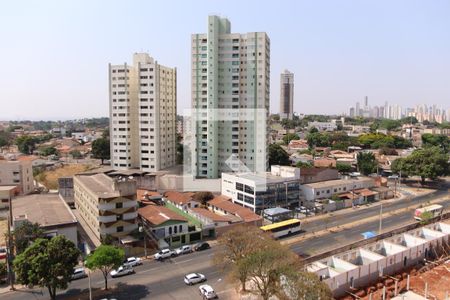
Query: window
{"points": [[239, 186], [119, 228], [170, 230], [119, 205]]}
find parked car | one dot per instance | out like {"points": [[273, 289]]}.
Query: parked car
{"points": [[164, 253], [133, 261], [2, 252], [207, 291], [79, 273], [184, 249], [193, 278], [121, 271], [202, 246]]}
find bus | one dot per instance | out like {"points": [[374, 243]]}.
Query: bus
{"points": [[435, 210], [283, 228]]}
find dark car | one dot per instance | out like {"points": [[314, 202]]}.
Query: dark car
{"points": [[202, 246]]}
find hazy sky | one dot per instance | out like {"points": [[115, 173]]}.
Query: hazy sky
{"points": [[54, 54]]}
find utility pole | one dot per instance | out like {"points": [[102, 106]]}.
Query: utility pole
{"points": [[9, 248], [381, 218]]}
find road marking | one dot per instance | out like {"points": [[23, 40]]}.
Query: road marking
{"points": [[148, 270], [183, 261]]}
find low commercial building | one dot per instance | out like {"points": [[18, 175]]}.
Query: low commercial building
{"points": [[107, 205], [18, 173], [50, 211], [224, 206], [326, 189], [323, 126], [7, 192], [258, 191]]}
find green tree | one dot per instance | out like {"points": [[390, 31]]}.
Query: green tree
{"points": [[430, 162], [26, 233], [5, 139], [3, 272], [343, 168], [101, 149], [26, 144], [367, 164], [105, 133], [76, 154], [390, 124], [302, 164], [46, 151], [278, 156], [425, 217], [318, 139], [105, 258], [47, 263], [289, 137], [439, 140], [301, 285]]}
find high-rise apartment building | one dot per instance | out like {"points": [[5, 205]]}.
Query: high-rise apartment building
{"points": [[142, 99], [230, 88], [287, 95]]}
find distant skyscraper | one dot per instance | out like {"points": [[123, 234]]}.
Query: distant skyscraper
{"points": [[287, 95], [352, 112], [357, 110], [143, 108], [230, 71]]}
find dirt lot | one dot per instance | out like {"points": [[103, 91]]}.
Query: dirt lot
{"points": [[50, 178], [438, 279]]}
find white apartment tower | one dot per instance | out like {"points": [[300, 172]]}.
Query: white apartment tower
{"points": [[287, 95], [142, 105], [230, 76]]}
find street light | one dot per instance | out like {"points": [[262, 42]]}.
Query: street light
{"points": [[141, 229]]}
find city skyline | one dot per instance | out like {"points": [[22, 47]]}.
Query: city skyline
{"points": [[339, 52]]}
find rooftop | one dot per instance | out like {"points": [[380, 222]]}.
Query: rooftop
{"points": [[210, 215], [102, 185], [331, 183], [179, 198], [224, 203], [157, 215], [45, 209]]}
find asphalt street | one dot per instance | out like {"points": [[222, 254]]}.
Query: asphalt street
{"points": [[152, 280]]}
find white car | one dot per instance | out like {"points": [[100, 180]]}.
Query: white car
{"points": [[121, 271], [184, 249], [193, 278], [133, 261], [78, 273], [207, 291], [164, 253]]}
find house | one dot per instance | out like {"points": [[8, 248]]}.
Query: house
{"points": [[50, 211], [304, 158], [146, 197], [7, 192], [224, 206], [210, 219], [296, 145], [323, 126], [325, 162], [181, 200], [310, 175]]}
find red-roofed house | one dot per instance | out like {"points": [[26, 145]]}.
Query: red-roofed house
{"points": [[210, 219], [181, 200], [222, 205]]}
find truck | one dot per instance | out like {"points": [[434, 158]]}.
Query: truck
{"points": [[433, 210]]}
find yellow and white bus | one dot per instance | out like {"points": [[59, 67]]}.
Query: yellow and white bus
{"points": [[433, 210], [283, 228]]}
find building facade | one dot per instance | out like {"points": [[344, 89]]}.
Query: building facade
{"points": [[278, 188], [18, 173], [142, 114], [107, 205], [287, 95], [230, 78]]}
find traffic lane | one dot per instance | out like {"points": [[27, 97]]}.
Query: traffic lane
{"points": [[331, 241]]}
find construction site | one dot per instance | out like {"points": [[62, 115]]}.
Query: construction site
{"points": [[415, 261]]}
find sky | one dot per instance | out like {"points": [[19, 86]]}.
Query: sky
{"points": [[54, 54]]}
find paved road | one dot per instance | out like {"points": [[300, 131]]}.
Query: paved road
{"points": [[153, 280], [332, 240]]}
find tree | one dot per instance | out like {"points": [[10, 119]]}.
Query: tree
{"points": [[278, 156], [318, 139], [26, 233], [289, 137], [47, 263], [46, 151], [430, 162], [425, 217], [5, 139], [301, 164], [236, 244], [100, 149], [343, 168], [3, 272], [367, 164], [105, 133], [76, 154], [26, 144], [304, 285], [439, 140], [105, 258], [203, 197]]}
